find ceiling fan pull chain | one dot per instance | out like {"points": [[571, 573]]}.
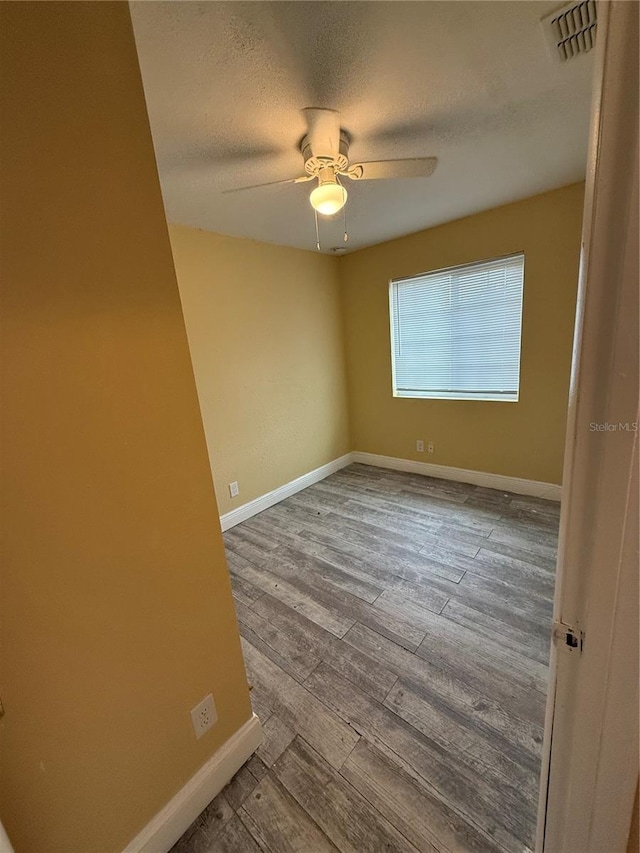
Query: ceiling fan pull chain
{"points": [[315, 213], [344, 217]]}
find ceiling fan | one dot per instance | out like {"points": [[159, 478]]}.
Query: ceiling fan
{"points": [[325, 149]]}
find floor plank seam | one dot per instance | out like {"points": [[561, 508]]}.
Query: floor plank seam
{"points": [[360, 736], [440, 612], [392, 688]]}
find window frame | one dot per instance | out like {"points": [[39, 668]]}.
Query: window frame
{"points": [[452, 396]]}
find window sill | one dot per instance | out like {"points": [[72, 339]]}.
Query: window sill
{"points": [[425, 395]]}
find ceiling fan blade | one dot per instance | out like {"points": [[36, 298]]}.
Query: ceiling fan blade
{"points": [[420, 167], [323, 131], [299, 180]]}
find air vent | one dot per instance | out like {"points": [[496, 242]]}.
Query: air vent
{"points": [[571, 30]]}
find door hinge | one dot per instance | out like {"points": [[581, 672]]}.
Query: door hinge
{"points": [[567, 637]]}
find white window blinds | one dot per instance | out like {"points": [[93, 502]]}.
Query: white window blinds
{"points": [[455, 333]]}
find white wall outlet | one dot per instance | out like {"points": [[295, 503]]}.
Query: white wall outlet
{"points": [[204, 715], [430, 448], [234, 491], [420, 446]]}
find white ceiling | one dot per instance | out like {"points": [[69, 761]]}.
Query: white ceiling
{"points": [[469, 82]]}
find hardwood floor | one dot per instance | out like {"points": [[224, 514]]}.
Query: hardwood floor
{"points": [[396, 631]]}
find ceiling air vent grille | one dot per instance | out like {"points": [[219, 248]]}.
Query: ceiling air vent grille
{"points": [[571, 30]]}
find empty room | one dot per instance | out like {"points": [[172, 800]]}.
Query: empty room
{"points": [[298, 294], [395, 615]]}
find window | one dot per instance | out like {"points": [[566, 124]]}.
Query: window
{"points": [[455, 333]]}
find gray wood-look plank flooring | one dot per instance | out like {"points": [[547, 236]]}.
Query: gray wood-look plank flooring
{"points": [[396, 635]]}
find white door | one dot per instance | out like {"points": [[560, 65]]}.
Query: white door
{"points": [[590, 769]]}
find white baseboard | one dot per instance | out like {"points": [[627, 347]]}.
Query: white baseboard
{"points": [[162, 832], [242, 513], [5, 844], [518, 486]]}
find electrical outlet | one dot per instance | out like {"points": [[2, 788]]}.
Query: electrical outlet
{"points": [[420, 446], [234, 491], [204, 715], [430, 448]]}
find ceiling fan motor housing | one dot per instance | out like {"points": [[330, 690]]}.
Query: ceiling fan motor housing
{"points": [[314, 165]]}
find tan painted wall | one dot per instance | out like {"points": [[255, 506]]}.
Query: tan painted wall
{"points": [[117, 616], [523, 439], [265, 331]]}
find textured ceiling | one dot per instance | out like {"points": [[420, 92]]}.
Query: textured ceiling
{"points": [[469, 82]]}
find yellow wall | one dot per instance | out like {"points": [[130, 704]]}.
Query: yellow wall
{"points": [[523, 439], [116, 609], [265, 331]]}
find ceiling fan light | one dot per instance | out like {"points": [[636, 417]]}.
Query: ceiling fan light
{"points": [[328, 198]]}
